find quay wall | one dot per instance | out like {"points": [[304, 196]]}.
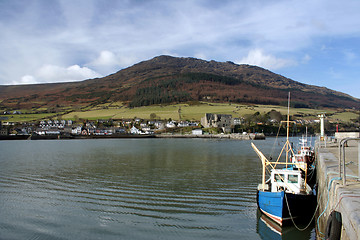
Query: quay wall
{"points": [[333, 195], [258, 136], [342, 135], [251, 136]]}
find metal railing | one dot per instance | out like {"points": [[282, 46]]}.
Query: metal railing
{"points": [[342, 145]]}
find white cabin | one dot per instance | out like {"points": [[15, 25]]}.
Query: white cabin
{"points": [[286, 180]]}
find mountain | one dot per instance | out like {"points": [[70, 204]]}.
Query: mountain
{"points": [[166, 79]]}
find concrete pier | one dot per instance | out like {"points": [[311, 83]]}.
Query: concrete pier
{"points": [[333, 195]]}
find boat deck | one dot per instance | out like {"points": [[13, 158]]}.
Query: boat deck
{"points": [[333, 195]]}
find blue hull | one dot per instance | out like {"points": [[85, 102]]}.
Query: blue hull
{"points": [[274, 205]]}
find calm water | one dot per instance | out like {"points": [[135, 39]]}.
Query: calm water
{"points": [[132, 189]]}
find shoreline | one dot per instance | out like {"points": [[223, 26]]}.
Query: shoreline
{"points": [[235, 136]]}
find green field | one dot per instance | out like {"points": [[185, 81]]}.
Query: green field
{"points": [[191, 112], [28, 117], [345, 116], [180, 112], [163, 112]]}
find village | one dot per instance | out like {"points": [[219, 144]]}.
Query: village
{"points": [[210, 124]]}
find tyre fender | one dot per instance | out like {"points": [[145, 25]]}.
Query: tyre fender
{"points": [[333, 226]]}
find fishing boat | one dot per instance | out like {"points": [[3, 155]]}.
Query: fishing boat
{"points": [[306, 154], [285, 195]]}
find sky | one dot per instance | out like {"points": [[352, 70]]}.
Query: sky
{"points": [[310, 41]]}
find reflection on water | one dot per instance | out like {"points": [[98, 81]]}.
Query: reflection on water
{"points": [[268, 229], [129, 189]]}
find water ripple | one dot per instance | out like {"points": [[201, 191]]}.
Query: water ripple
{"points": [[121, 189]]}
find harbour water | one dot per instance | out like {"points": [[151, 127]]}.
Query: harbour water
{"points": [[133, 189]]}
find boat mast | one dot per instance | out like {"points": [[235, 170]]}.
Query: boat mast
{"points": [[288, 147]]}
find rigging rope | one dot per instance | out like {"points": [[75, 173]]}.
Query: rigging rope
{"points": [[327, 203], [276, 139], [312, 218]]}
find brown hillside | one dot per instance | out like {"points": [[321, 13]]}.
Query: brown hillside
{"points": [[166, 79]]}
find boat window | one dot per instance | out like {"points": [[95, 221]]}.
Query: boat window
{"points": [[279, 178], [292, 178]]}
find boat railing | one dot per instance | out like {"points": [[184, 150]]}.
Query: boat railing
{"points": [[342, 166]]}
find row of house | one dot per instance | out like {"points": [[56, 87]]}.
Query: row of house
{"points": [[55, 123], [134, 126], [100, 127], [14, 112], [148, 127]]}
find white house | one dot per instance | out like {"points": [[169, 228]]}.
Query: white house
{"points": [[183, 124], [146, 129], [159, 125], [197, 132], [134, 130], [170, 124], [76, 131]]}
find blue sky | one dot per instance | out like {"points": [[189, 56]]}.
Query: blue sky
{"points": [[313, 42]]}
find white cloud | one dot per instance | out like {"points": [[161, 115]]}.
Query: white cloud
{"points": [[200, 55], [109, 62], [51, 73], [259, 58], [27, 79], [106, 58]]}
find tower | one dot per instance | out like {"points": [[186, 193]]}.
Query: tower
{"points": [[322, 126]]}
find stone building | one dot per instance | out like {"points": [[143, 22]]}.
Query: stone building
{"points": [[218, 121]]}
